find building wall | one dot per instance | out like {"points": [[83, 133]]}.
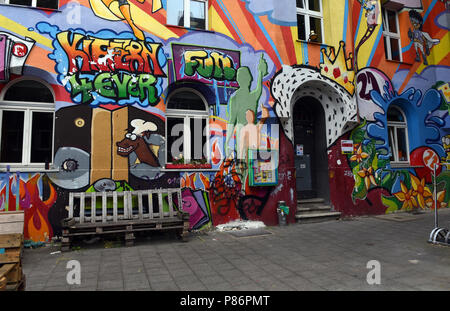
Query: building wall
{"points": [[348, 74]]}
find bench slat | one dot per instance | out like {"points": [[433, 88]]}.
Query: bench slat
{"points": [[169, 199], [93, 207], [141, 210], [82, 207], [150, 204], [71, 205], [130, 204], [160, 205], [114, 206], [104, 202]]}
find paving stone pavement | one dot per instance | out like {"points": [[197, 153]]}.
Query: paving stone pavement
{"points": [[330, 255]]}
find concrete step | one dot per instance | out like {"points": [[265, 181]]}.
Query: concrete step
{"points": [[309, 208], [317, 217], [313, 200]]}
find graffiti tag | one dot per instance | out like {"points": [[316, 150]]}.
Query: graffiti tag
{"points": [[115, 69]]}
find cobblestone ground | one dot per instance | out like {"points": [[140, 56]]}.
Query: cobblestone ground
{"points": [[322, 256]]}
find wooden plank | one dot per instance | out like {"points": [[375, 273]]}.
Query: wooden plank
{"points": [[160, 204], [12, 227], [125, 206], [169, 197], [5, 269], [11, 240], [15, 274], [150, 204], [93, 207], [70, 204], [180, 201], [141, 210], [10, 257], [3, 282], [114, 206], [7, 217], [130, 204], [82, 195], [104, 206]]}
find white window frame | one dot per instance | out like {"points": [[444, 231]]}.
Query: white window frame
{"points": [[28, 108], [307, 13], [186, 115], [394, 139], [187, 11], [33, 4], [388, 35]]}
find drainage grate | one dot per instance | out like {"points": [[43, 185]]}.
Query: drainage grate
{"points": [[249, 233]]}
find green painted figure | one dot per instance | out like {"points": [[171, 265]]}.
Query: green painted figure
{"points": [[243, 100]]}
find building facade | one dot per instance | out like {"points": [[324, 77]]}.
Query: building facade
{"points": [[243, 104]]}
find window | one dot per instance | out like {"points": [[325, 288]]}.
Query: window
{"points": [[26, 124], [187, 127], [398, 135], [46, 4], [310, 20], [197, 10], [391, 34]]}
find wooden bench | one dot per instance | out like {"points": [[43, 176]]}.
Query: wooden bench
{"points": [[128, 212]]}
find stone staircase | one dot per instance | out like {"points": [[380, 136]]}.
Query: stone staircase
{"points": [[314, 210]]}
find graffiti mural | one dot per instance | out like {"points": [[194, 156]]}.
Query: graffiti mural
{"points": [[114, 68]]}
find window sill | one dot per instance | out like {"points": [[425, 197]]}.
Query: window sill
{"points": [[400, 165], [188, 166], [398, 62], [28, 169], [30, 7], [312, 42], [189, 28]]}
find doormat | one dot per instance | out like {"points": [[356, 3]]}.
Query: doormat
{"points": [[249, 233], [399, 217]]}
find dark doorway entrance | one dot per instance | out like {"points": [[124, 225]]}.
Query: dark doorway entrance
{"points": [[311, 160]]}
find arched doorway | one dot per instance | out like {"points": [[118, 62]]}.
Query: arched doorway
{"points": [[310, 143]]}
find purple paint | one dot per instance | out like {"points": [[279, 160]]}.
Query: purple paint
{"points": [[3, 40]]}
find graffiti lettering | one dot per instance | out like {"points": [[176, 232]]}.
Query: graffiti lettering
{"points": [[87, 54], [116, 86], [213, 65], [109, 70], [367, 79]]}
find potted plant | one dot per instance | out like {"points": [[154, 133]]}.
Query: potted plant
{"points": [[180, 163]]}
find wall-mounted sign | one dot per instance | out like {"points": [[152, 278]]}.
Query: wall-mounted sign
{"points": [[347, 146], [299, 150], [263, 167]]}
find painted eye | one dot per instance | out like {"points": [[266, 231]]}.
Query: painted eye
{"points": [[128, 135], [133, 136]]}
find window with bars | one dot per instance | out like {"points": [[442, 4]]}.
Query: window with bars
{"points": [[45, 4], [398, 135], [26, 124], [197, 10], [391, 35], [310, 20]]}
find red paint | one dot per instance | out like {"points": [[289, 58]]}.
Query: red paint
{"points": [[336, 73], [425, 157]]}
